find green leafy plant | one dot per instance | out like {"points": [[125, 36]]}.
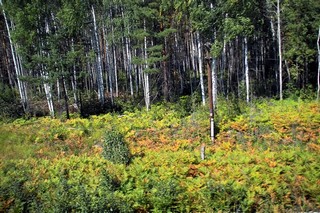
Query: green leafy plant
{"points": [[225, 197], [115, 149], [165, 195]]}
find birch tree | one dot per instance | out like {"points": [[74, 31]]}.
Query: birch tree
{"points": [[17, 66], [99, 61], [279, 48], [246, 66], [145, 73], [200, 59]]}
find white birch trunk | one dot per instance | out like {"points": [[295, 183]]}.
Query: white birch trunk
{"points": [[193, 52], [145, 75], [137, 73], [99, 61], [279, 48], [74, 80], [318, 79], [48, 91], [214, 82], [109, 70], [58, 90], [203, 97], [46, 84], [115, 71], [246, 66], [128, 54], [17, 67], [129, 64], [115, 68]]}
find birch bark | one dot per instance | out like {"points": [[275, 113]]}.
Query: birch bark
{"points": [[127, 53], [109, 66], [203, 97], [145, 75], [74, 80], [210, 94], [99, 61], [45, 76], [279, 48], [129, 64], [48, 91], [246, 65], [17, 67]]}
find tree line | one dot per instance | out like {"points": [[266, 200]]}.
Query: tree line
{"points": [[63, 51]]}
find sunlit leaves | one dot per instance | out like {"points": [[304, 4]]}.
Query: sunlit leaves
{"points": [[258, 162]]}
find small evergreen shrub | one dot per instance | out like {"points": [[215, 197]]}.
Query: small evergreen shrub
{"points": [[115, 149]]}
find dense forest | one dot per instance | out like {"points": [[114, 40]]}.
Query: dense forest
{"points": [[159, 106], [68, 54]]}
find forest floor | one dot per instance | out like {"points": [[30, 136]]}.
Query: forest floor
{"points": [[266, 157]]}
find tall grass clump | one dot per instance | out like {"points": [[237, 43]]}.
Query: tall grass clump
{"points": [[115, 149]]}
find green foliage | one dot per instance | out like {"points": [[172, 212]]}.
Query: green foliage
{"points": [[9, 105], [302, 23], [71, 184], [225, 197], [115, 149], [265, 158], [307, 93], [165, 195]]}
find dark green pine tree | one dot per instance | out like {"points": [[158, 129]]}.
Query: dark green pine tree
{"points": [[301, 22]]}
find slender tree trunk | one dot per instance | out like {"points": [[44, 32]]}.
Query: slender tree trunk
{"points": [[48, 91], [145, 75], [223, 66], [74, 80], [192, 52], [318, 79], [214, 82], [136, 68], [246, 65], [65, 95], [210, 94], [108, 66], [165, 72], [115, 67], [17, 67], [58, 90], [99, 61], [279, 49], [203, 97], [231, 68], [128, 54], [288, 69], [129, 64]]}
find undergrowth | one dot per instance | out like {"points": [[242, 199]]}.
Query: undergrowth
{"points": [[265, 158]]}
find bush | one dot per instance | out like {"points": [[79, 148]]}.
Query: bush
{"points": [[115, 148], [165, 195], [74, 184], [225, 197]]}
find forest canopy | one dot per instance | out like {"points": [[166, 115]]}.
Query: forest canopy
{"points": [[68, 54]]}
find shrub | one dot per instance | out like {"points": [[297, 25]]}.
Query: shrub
{"points": [[74, 184], [165, 195], [115, 148], [225, 197]]}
